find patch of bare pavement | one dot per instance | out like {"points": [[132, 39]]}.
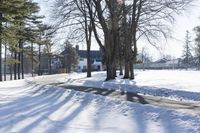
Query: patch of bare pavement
{"points": [[192, 107]]}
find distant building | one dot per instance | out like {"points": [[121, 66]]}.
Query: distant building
{"points": [[160, 64], [44, 64], [96, 60], [47, 63]]}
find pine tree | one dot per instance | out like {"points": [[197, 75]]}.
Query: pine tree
{"points": [[197, 45], [70, 57], [187, 55], [15, 15], [9, 9]]}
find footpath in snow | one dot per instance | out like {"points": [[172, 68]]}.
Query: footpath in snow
{"points": [[27, 107]]}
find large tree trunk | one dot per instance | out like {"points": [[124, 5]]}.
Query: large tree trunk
{"points": [[88, 41], [133, 55], [88, 62], [110, 58], [109, 61], [131, 69], [126, 60], [0, 60], [110, 74], [115, 50], [126, 70], [120, 67]]}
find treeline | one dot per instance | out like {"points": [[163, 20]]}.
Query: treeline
{"points": [[190, 60], [117, 25], [20, 28]]}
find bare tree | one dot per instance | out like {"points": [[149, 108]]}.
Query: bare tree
{"points": [[87, 26], [74, 13], [149, 20], [136, 19]]}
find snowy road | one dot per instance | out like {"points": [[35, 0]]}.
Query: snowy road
{"points": [[34, 108], [192, 107], [186, 106]]}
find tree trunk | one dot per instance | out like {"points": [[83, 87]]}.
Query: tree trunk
{"points": [[19, 59], [120, 68], [110, 57], [15, 66], [110, 65], [32, 58], [0, 46], [133, 55], [22, 61], [88, 39], [88, 62], [109, 72], [115, 54], [39, 67], [50, 71], [120, 60], [11, 68], [88, 36], [126, 73], [126, 61], [0, 60], [5, 65], [131, 69]]}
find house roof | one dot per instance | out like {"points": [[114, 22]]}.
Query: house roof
{"points": [[95, 54], [163, 60]]}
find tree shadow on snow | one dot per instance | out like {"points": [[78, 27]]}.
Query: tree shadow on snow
{"points": [[37, 107]]}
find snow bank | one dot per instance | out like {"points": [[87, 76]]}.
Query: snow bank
{"points": [[168, 83]]}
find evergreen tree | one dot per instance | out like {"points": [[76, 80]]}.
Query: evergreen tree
{"points": [[187, 55], [44, 35], [16, 14], [197, 46], [70, 57], [48, 50], [9, 9]]}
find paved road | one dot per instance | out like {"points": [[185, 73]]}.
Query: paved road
{"points": [[192, 107]]}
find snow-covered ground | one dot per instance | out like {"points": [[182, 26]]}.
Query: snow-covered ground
{"points": [[170, 83], [27, 107]]}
